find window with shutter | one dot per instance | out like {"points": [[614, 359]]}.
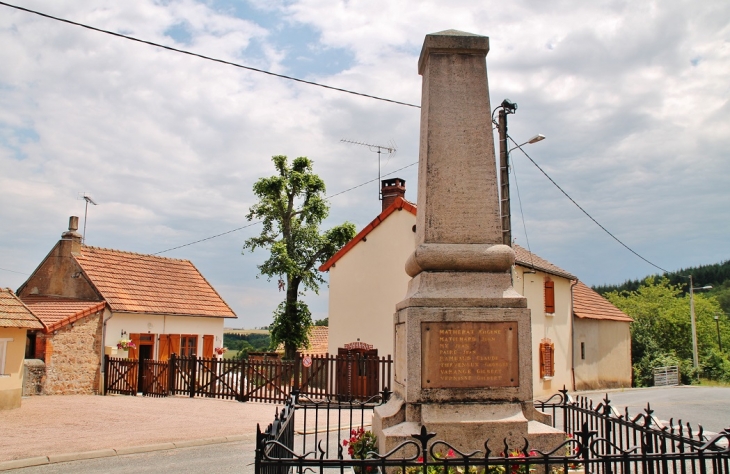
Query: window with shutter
{"points": [[547, 358], [549, 296]]}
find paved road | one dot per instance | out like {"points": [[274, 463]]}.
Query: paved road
{"points": [[212, 459], [706, 406]]}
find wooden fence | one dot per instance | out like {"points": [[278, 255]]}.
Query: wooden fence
{"points": [[344, 377]]}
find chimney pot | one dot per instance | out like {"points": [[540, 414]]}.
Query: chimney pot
{"points": [[392, 189], [73, 223]]}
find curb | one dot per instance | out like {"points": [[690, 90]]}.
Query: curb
{"points": [[105, 453]]}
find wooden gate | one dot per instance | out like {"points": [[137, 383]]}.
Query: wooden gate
{"points": [[358, 375], [120, 376], [156, 378]]}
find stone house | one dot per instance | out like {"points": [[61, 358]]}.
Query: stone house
{"points": [[15, 320], [367, 279], [90, 298]]}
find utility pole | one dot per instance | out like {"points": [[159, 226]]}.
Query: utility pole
{"points": [[507, 107]]}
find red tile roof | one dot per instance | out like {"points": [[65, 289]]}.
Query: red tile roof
{"points": [[588, 304], [398, 204], [14, 314], [525, 258], [318, 341], [136, 283], [56, 312]]}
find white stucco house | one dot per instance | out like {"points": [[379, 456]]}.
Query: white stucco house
{"points": [[367, 278], [90, 298]]}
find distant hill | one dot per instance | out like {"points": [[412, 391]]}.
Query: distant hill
{"points": [[717, 275]]}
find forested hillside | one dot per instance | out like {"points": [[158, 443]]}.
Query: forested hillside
{"points": [[717, 275]]}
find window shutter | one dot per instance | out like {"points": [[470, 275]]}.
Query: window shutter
{"points": [[134, 351], [175, 344], [164, 347], [547, 359], [208, 346], [549, 296]]}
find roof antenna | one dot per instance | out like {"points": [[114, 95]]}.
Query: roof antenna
{"points": [[379, 149], [88, 200]]}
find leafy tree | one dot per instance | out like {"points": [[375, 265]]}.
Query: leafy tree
{"points": [[322, 322], [661, 333], [292, 206]]}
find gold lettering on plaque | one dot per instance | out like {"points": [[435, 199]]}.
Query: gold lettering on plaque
{"points": [[467, 354]]}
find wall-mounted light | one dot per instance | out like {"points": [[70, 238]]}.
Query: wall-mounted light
{"points": [[124, 333]]}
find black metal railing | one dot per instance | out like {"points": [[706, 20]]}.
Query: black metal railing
{"points": [[598, 440]]}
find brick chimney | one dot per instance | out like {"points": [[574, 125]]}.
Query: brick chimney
{"points": [[391, 189], [71, 238]]}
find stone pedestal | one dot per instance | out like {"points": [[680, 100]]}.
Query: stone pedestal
{"points": [[463, 354]]}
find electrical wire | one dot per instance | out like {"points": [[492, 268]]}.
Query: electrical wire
{"points": [[583, 210], [13, 271], [228, 63], [524, 226]]}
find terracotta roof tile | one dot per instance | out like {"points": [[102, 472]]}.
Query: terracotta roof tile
{"points": [[530, 260], [588, 304], [318, 340], [56, 312], [399, 203], [14, 314], [138, 283]]}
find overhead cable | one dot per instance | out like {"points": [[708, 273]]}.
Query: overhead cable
{"points": [[583, 210], [229, 63]]}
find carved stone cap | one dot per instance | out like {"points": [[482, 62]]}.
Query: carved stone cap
{"points": [[453, 42], [460, 258]]}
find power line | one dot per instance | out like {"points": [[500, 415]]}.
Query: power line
{"points": [[182, 51], [583, 210], [13, 271]]}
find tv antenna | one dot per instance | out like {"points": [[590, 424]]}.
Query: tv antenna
{"points": [[88, 200], [379, 149]]}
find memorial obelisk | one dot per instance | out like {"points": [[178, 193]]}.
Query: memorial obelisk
{"points": [[463, 358]]}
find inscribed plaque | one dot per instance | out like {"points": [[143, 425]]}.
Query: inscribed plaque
{"points": [[465, 354]]}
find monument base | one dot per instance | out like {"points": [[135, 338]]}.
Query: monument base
{"points": [[465, 426]]}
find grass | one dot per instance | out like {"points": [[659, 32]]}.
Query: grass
{"points": [[713, 383], [244, 332]]}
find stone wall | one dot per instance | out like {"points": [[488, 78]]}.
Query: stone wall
{"points": [[72, 358], [33, 377]]}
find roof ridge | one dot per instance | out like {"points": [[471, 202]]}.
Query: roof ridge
{"points": [[127, 252]]}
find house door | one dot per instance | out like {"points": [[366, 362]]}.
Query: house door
{"points": [[145, 351], [357, 372]]}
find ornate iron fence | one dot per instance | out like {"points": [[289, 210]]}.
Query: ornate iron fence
{"points": [[598, 440]]}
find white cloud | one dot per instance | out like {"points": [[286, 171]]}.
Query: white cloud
{"points": [[631, 95]]}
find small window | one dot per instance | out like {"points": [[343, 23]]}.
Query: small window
{"points": [[188, 346], [547, 359], [583, 350], [549, 296], [3, 352]]}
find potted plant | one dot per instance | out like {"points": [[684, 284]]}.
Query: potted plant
{"points": [[361, 443], [219, 351], [123, 347]]}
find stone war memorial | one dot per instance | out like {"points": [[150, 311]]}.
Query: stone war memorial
{"points": [[463, 358]]}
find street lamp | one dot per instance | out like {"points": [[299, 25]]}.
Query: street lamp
{"points": [[692, 289], [717, 322], [505, 108]]}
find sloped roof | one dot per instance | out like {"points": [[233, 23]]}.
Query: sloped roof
{"points": [[588, 304], [522, 256], [398, 203], [56, 312], [137, 283], [528, 259], [318, 341], [14, 314]]}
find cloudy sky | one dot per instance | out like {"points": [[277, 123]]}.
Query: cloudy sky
{"points": [[632, 95]]}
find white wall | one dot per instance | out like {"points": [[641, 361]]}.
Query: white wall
{"points": [[367, 282], [555, 327], [160, 324], [607, 362]]}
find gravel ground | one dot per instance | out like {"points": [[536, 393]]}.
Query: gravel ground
{"points": [[46, 425]]}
